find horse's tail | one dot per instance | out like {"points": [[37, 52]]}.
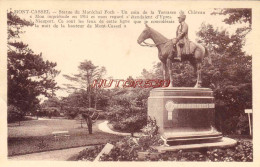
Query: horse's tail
{"points": [[209, 55]]}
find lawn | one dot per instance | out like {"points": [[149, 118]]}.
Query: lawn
{"points": [[36, 136]]}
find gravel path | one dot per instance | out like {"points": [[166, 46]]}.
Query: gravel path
{"points": [[104, 127]]}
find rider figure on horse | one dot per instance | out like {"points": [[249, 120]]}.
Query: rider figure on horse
{"points": [[182, 41]]}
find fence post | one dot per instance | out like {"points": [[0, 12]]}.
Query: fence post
{"points": [[248, 111]]}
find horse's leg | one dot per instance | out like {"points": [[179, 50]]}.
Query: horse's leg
{"points": [[169, 66], [165, 69], [198, 84], [195, 67], [198, 56], [199, 76]]}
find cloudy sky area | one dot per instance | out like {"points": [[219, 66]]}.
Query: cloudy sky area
{"points": [[115, 49]]}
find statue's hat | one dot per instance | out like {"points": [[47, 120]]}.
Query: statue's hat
{"points": [[182, 15]]}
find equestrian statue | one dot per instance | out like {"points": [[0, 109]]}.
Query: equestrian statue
{"points": [[178, 49]]}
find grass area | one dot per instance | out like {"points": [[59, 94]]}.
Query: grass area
{"points": [[36, 136]]}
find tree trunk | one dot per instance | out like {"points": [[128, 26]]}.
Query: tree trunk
{"points": [[89, 97], [89, 123], [21, 116], [89, 101], [95, 100]]}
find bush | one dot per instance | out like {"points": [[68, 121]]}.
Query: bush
{"points": [[151, 128], [89, 154], [42, 113], [129, 149], [243, 125], [127, 116], [131, 124], [13, 114], [55, 113], [128, 109], [236, 125], [71, 112], [102, 115], [116, 113]]}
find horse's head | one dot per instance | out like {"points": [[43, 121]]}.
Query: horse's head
{"points": [[146, 34]]}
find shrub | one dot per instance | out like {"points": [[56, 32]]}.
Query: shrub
{"points": [[151, 128], [102, 115], [131, 124], [128, 149], [243, 125], [13, 114], [128, 109], [72, 115], [236, 125], [89, 154], [128, 117]]}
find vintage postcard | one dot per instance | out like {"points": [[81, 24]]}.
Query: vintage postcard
{"points": [[87, 82]]}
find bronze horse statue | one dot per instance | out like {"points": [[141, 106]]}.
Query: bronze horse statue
{"points": [[167, 52]]}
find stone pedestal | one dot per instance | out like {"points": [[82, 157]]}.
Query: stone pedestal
{"points": [[222, 143], [184, 115]]}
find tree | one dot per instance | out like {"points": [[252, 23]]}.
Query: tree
{"points": [[28, 74], [230, 76], [155, 73], [13, 114], [236, 15], [51, 107], [70, 104], [88, 73]]}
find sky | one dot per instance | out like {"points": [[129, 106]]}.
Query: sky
{"points": [[115, 49]]}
